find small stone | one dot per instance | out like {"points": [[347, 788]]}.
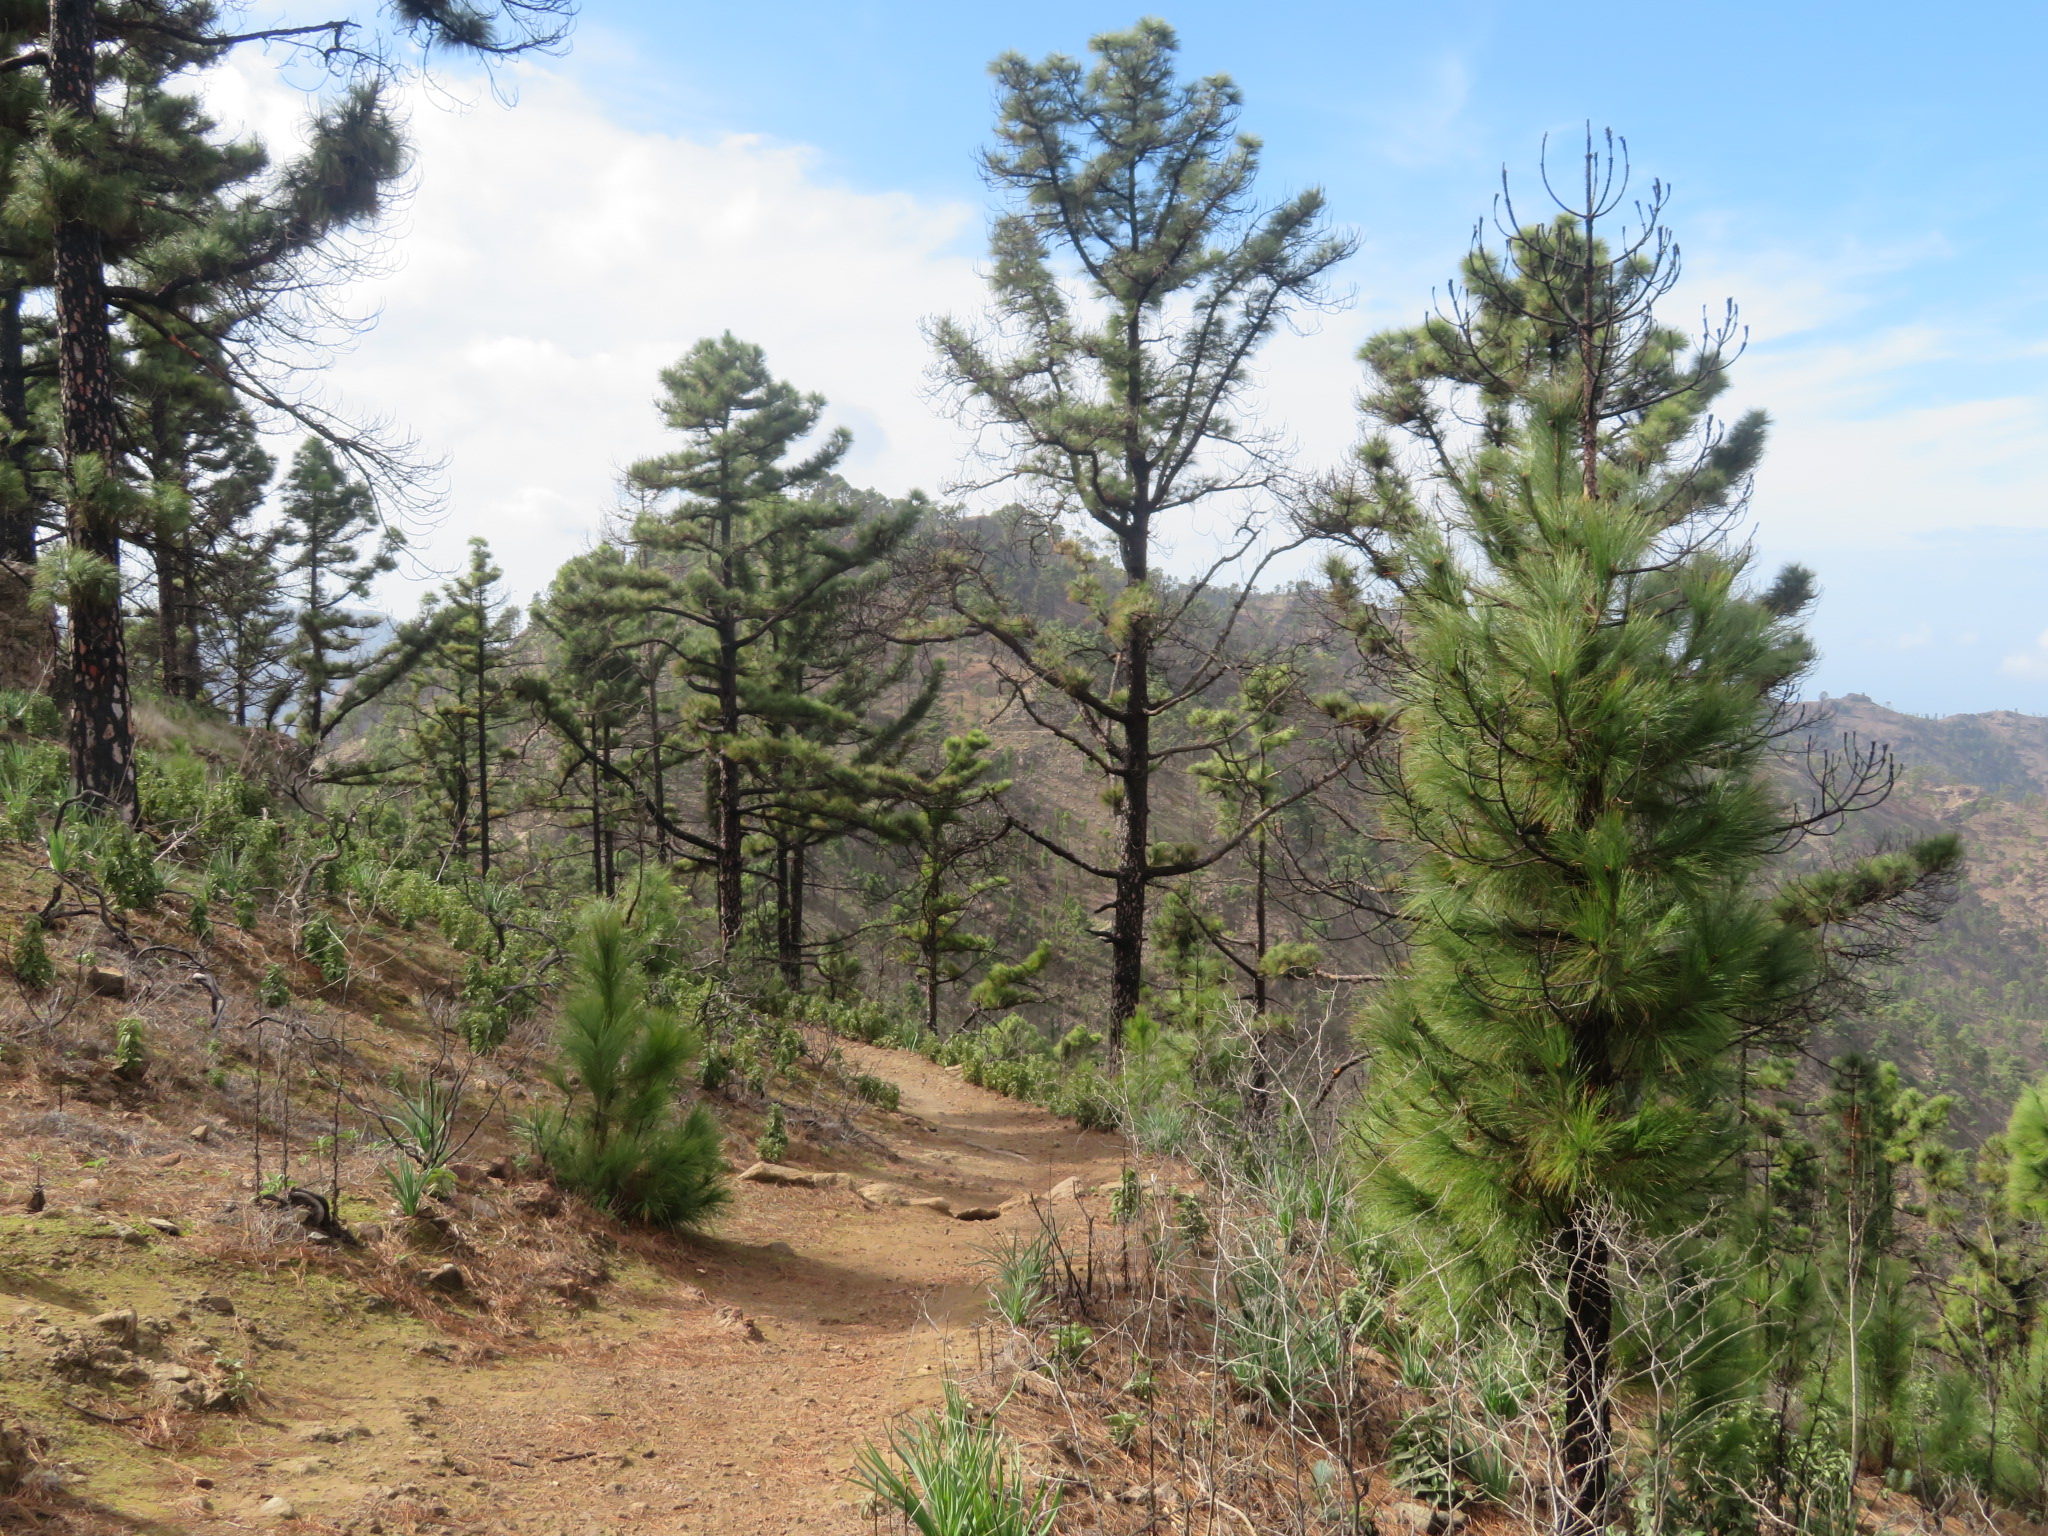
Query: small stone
{"points": [[165, 1225], [977, 1213], [215, 1303], [780, 1249], [1013, 1202], [116, 1325], [881, 1194], [636, 1510], [337, 1433], [304, 1466], [1410, 1516], [445, 1277], [1066, 1189], [202, 1482], [275, 1508], [170, 1160], [202, 1132], [937, 1203], [369, 1232], [105, 981]]}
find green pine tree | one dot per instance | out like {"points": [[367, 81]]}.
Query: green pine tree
{"points": [[1134, 277], [751, 558], [1590, 694], [327, 515]]}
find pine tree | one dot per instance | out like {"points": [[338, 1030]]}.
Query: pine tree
{"points": [[327, 516], [1590, 694], [597, 674], [206, 474], [1119, 390], [124, 173], [948, 839], [620, 1137], [1243, 775], [246, 627], [463, 698], [744, 563]]}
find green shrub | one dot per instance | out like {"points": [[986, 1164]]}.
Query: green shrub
{"points": [[620, 1137], [33, 714], [128, 870], [878, 1090], [31, 958], [275, 989], [958, 1477], [200, 920], [131, 1049], [319, 943], [772, 1145]]}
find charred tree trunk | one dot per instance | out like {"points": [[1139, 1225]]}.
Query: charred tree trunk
{"points": [[102, 731]]}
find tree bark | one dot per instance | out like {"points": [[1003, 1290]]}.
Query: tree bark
{"points": [[102, 730], [18, 533], [1588, 1325], [1133, 872]]}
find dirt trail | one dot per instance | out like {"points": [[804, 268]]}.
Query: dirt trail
{"points": [[660, 1410]]}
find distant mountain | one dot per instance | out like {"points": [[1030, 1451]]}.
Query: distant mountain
{"points": [[1968, 1009]]}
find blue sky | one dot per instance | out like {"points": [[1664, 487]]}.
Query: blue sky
{"points": [[1867, 183]]}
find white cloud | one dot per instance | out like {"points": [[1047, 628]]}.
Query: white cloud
{"points": [[551, 262]]}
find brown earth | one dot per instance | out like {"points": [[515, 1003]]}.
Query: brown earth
{"points": [[719, 1384]]}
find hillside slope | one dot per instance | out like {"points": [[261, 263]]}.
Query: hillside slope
{"points": [[714, 1384]]}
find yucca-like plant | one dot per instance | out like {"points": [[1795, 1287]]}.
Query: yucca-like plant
{"points": [[949, 1474], [621, 1137]]}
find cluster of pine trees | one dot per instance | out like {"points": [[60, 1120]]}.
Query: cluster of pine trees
{"points": [[1515, 764]]}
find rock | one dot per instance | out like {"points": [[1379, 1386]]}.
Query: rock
{"points": [[882, 1194], [170, 1160], [116, 1325], [1013, 1202], [779, 1248], [369, 1232], [1410, 1516], [733, 1319], [105, 981], [794, 1178], [1037, 1385], [165, 1225], [977, 1213], [275, 1508], [215, 1303], [337, 1433], [937, 1203], [303, 1466], [202, 1132], [1066, 1189], [445, 1277]]}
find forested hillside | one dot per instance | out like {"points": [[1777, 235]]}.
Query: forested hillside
{"points": [[1531, 1065]]}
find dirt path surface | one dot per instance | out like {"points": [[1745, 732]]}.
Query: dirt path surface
{"points": [[725, 1390]]}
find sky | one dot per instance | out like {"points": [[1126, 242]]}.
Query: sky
{"points": [[1867, 184]]}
